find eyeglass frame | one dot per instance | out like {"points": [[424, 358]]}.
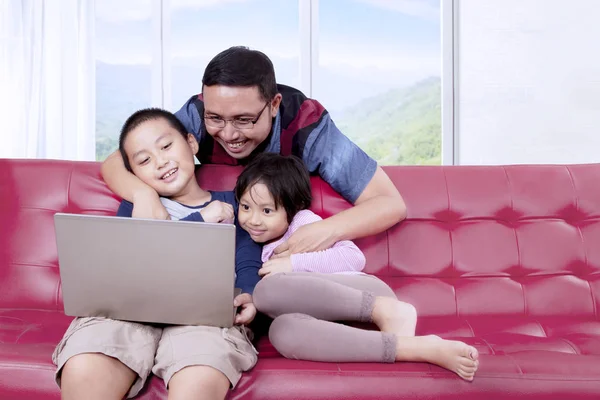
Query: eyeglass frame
{"points": [[234, 120]]}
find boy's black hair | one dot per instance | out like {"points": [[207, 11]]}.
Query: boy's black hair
{"points": [[285, 177], [145, 115], [240, 66]]}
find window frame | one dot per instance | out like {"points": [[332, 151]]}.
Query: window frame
{"points": [[309, 40]]}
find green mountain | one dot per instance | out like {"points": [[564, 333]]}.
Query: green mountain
{"points": [[402, 126]]}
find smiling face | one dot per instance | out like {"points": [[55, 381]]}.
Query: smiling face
{"points": [[233, 103], [259, 216], [162, 158]]}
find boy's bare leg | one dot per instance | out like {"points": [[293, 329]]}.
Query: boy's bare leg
{"points": [[95, 376], [198, 383]]}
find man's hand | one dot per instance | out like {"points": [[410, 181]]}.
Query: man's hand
{"points": [[308, 238], [248, 310], [276, 265], [218, 211], [147, 204]]}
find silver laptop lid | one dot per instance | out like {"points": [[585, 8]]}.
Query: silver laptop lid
{"points": [[172, 272]]}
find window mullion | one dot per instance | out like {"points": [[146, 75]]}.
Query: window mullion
{"points": [[449, 84], [166, 54], [305, 67], [157, 54]]}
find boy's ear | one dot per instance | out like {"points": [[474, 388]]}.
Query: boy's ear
{"points": [[193, 143]]}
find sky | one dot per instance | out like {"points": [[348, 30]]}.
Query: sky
{"points": [[365, 47]]}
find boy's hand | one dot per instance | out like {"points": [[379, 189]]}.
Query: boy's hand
{"points": [[218, 211], [248, 310], [276, 265], [147, 205]]}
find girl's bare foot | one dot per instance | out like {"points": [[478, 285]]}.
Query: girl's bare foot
{"points": [[394, 316], [455, 356]]}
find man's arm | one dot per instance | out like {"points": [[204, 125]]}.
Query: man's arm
{"points": [[379, 207], [351, 172]]}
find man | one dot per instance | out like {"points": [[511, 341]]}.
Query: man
{"points": [[242, 111]]}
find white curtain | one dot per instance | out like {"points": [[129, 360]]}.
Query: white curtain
{"points": [[47, 79]]}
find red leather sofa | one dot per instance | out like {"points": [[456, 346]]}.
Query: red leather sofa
{"points": [[504, 258]]}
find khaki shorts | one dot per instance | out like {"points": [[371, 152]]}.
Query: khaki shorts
{"points": [[147, 348]]}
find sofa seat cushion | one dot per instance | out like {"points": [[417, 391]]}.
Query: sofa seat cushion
{"points": [[536, 375], [499, 335], [519, 356], [27, 340]]}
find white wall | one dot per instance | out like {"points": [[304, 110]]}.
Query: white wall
{"points": [[528, 81]]}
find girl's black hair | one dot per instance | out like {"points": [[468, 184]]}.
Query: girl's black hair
{"points": [[145, 115], [285, 177]]}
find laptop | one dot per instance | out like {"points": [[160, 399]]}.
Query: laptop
{"points": [[154, 271]]}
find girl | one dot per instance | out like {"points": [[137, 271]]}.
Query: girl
{"points": [[305, 293]]}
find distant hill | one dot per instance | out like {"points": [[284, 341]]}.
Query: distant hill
{"points": [[120, 90], [402, 126]]}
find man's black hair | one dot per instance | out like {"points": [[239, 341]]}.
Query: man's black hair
{"points": [[240, 66]]}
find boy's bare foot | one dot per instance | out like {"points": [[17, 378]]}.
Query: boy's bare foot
{"points": [[455, 356], [394, 316]]}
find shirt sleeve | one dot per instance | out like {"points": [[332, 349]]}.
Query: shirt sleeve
{"points": [[247, 261], [338, 160], [125, 209], [247, 251], [189, 117], [194, 217], [343, 256]]}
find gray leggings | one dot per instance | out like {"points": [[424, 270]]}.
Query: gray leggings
{"points": [[303, 306]]}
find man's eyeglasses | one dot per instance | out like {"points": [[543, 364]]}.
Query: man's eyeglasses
{"points": [[239, 123]]}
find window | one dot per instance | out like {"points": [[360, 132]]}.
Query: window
{"points": [[123, 67], [374, 64], [378, 74], [265, 25]]}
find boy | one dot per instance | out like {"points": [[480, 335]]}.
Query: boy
{"points": [[100, 358]]}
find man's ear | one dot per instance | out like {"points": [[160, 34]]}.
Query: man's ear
{"points": [[275, 104], [193, 143]]}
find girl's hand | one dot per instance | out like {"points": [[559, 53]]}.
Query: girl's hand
{"points": [[217, 212], [276, 265]]}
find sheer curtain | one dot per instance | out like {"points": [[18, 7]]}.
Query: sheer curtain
{"points": [[47, 79]]}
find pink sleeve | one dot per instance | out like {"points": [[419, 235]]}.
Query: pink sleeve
{"points": [[344, 256]]}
